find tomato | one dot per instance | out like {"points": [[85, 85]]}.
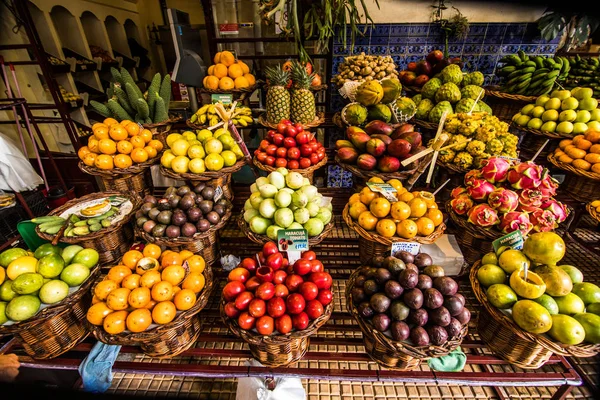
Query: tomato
{"points": [[261, 258], [279, 277], [278, 139], [243, 300], [281, 127], [270, 161], [316, 266], [265, 325], [265, 291], [265, 274], [309, 291], [289, 142], [239, 274], [293, 164], [314, 309], [271, 150], [293, 282], [263, 145], [268, 249], [302, 266], [314, 158], [283, 324], [257, 308], [300, 321], [309, 255], [230, 310], [290, 131], [321, 279], [293, 153], [281, 152], [306, 150], [261, 156], [321, 153], [275, 261], [276, 307], [253, 283], [285, 263], [232, 289], [246, 321], [295, 303], [287, 122], [280, 162], [281, 290], [325, 296], [303, 137], [299, 126], [314, 145], [249, 263], [270, 134]]}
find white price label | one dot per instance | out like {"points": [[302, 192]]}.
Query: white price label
{"points": [[218, 193], [385, 189], [412, 247]]}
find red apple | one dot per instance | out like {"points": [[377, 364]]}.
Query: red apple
{"points": [[305, 162], [271, 150], [289, 142], [314, 309], [275, 261], [270, 134], [270, 161], [302, 266], [281, 290], [279, 276], [243, 300], [293, 282], [309, 255], [286, 122], [281, 152], [232, 289], [230, 310], [281, 127], [299, 127], [276, 307], [293, 153], [293, 164], [264, 144], [314, 158], [278, 139], [261, 156], [265, 291], [321, 279], [316, 266], [269, 248]]}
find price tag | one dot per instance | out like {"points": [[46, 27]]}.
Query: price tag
{"points": [[73, 103], [83, 67], [292, 241], [326, 201], [412, 247], [385, 189], [513, 240], [224, 98], [218, 193]]}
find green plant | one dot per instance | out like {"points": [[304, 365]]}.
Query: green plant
{"points": [[456, 26], [574, 27]]}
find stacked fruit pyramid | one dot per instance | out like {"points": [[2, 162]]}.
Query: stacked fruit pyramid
{"points": [[418, 73], [582, 152], [227, 74], [531, 75], [207, 115]]}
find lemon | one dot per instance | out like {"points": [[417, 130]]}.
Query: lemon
{"points": [[180, 164], [172, 138], [180, 147], [188, 135], [197, 166], [229, 158], [213, 146], [203, 135], [213, 161], [21, 265], [196, 151]]}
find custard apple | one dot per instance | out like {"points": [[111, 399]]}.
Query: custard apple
{"points": [[473, 78], [417, 99], [436, 113], [430, 88], [484, 107], [448, 92], [452, 73], [471, 92], [465, 105], [425, 106]]}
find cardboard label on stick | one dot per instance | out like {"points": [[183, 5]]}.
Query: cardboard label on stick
{"points": [[292, 241], [513, 239], [385, 189]]}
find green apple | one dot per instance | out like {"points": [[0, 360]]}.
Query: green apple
{"points": [[564, 127], [541, 100], [581, 93], [550, 115], [570, 103], [594, 126], [535, 123], [579, 128], [527, 109], [561, 94], [567, 115], [537, 111], [553, 104], [548, 126], [583, 116], [588, 104], [523, 120], [595, 114]]}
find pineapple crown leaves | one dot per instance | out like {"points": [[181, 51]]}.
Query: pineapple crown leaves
{"points": [[300, 76], [277, 76]]}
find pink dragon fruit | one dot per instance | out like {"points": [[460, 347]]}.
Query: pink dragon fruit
{"points": [[526, 175], [458, 191], [516, 220], [480, 189], [530, 199], [558, 209], [543, 220], [495, 169], [471, 176], [503, 200], [483, 215], [462, 204], [548, 186]]}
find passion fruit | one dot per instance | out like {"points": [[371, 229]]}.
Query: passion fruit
{"points": [[531, 316], [530, 288], [544, 248]]}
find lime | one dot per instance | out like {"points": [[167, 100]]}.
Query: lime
{"points": [[566, 329], [75, 274], [490, 258], [8, 256], [54, 291]]}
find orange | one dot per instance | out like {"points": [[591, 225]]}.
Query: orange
{"points": [[211, 82], [139, 320], [234, 71], [226, 83], [425, 226], [584, 144], [396, 184], [131, 281], [95, 300], [118, 132], [131, 258], [176, 290], [118, 273], [564, 143], [210, 70], [217, 58], [195, 282], [98, 125], [151, 151], [110, 121], [400, 211], [227, 58], [592, 136], [150, 278], [185, 254], [139, 155], [367, 220], [82, 152], [375, 179], [139, 297], [355, 198], [406, 197], [124, 146], [173, 274], [592, 158], [151, 250], [93, 144], [380, 207], [250, 78], [164, 312], [565, 158], [150, 304], [241, 82], [117, 299], [90, 159], [386, 227], [244, 66], [125, 122], [104, 161], [407, 229], [134, 129], [184, 299], [96, 313], [581, 164], [147, 264], [156, 145], [356, 209], [138, 142], [162, 291], [103, 289], [435, 215], [101, 133], [107, 146], [196, 264], [220, 71], [596, 168], [146, 135], [418, 207], [114, 323], [122, 161], [367, 196], [595, 149], [172, 258]]}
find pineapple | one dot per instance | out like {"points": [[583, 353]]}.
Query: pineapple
{"points": [[303, 100], [278, 97]]}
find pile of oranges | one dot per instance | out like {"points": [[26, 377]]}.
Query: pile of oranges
{"points": [[148, 287], [118, 145], [413, 214], [227, 73], [582, 152]]}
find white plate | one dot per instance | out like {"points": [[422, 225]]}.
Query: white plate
{"points": [[99, 212]]}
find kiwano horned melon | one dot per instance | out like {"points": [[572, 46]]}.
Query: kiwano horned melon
{"points": [[369, 93], [379, 112], [391, 89], [355, 114]]}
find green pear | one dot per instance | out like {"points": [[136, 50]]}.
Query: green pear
{"points": [[541, 100], [537, 111], [588, 104], [553, 104], [550, 115], [548, 126], [569, 103], [535, 123]]}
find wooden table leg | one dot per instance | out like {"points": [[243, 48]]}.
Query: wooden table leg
{"points": [[562, 392]]}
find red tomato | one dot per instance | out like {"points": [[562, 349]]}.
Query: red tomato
{"points": [[232, 289], [309, 291], [276, 307], [257, 308], [306, 150], [265, 325], [315, 145], [309, 255], [268, 249], [293, 164], [242, 301], [321, 279], [295, 303], [293, 153], [246, 321], [325, 296], [298, 125], [300, 321], [264, 144], [239, 274], [314, 158], [303, 137], [293, 282], [305, 162], [271, 150], [230, 310], [261, 156], [283, 324], [253, 283], [280, 162], [290, 131], [289, 142], [302, 266], [314, 309], [265, 291], [281, 152], [316, 266], [270, 135], [270, 161], [285, 263], [286, 121], [279, 277], [281, 290], [261, 258], [275, 261], [281, 127], [278, 139], [321, 153]]}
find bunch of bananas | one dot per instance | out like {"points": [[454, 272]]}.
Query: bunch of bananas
{"points": [[207, 115], [93, 210], [583, 72], [531, 75], [50, 224], [86, 226]]}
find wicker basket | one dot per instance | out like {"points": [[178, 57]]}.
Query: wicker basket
{"points": [[508, 341], [319, 119], [247, 90], [277, 350], [55, 329], [583, 186], [262, 239], [160, 130], [205, 176], [168, 340], [391, 354], [593, 213], [305, 172], [530, 144], [505, 105], [370, 244], [402, 175], [138, 181]]}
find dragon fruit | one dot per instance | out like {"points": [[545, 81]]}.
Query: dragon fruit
{"points": [[471, 176], [558, 209], [458, 191], [462, 204], [483, 215], [530, 199], [543, 220], [526, 175], [503, 200], [516, 220], [495, 169], [479, 189], [548, 186]]}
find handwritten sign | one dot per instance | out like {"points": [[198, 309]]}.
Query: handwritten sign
{"points": [[218, 193], [412, 247]]}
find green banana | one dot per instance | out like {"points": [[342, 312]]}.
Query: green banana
{"points": [[534, 85], [95, 227], [81, 223], [513, 59], [514, 74], [49, 224], [552, 74], [540, 71], [69, 231], [539, 61], [530, 63], [105, 223], [522, 87], [524, 57], [46, 218], [81, 230], [527, 70], [53, 229]]}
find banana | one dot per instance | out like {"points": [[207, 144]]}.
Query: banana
{"points": [[524, 57], [53, 229], [202, 119], [552, 74], [514, 74], [534, 85], [69, 231], [46, 218], [530, 63], [549, 63], [81, 223], [203, 109], [81, 231], [513, 59], [527, 70], [194, 118], [43, 227], [211, 108], [539, 61], [105, 223], [521, 87], [242, 122], [540, 71]]}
